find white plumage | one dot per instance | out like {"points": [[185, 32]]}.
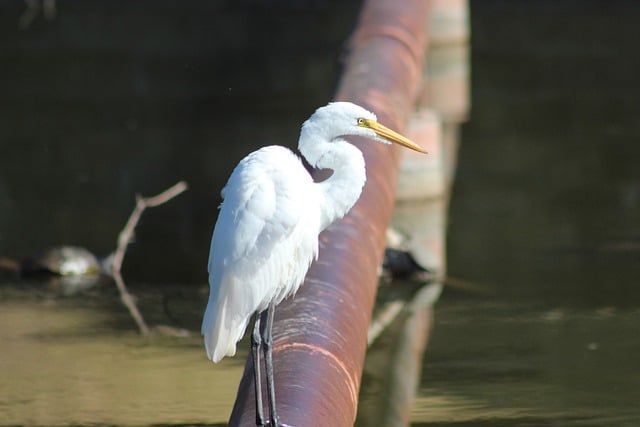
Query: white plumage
{"points": [[267, 230], [262, 244]]}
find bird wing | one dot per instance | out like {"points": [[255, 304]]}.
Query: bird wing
{"points": [[263, 242]]}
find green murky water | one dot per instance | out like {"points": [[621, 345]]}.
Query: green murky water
{"points": [[79, 361], [513, 364], [67, 361]]}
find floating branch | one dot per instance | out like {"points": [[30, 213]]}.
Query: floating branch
{"points": [[126, 236]]}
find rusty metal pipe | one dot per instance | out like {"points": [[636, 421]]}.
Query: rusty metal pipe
{"points": [[320, 335]]}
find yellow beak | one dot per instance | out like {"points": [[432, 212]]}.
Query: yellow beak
{"points": [[391, 136]]}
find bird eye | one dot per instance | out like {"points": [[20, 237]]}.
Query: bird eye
{"points": [[360, 121]]}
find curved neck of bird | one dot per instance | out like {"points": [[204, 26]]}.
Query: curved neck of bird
{"points": [[339, 192]]}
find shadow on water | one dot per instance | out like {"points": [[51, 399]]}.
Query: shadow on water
{"points": [[544, 211], [544, 208], [546, 201]]}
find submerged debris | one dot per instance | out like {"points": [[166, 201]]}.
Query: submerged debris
{"points": [[72, 268], [62, 261], [399, 264]]}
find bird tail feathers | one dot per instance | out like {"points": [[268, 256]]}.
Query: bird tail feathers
{"points": [[218, 341]]}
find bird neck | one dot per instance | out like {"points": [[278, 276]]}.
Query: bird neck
{"points": [[339, 192]]}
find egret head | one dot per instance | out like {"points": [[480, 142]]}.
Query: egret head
{"points": [[339, 119]]}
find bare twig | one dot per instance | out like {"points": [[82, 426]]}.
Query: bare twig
{"points": [[388, 313], [383, 318], [425, 298], [126, 236], [9, 264]]}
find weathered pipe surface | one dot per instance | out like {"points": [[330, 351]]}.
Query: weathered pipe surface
{"points": [[320, 335]]}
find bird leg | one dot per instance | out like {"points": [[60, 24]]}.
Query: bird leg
{"points": [[267, 340], [256, 344]]}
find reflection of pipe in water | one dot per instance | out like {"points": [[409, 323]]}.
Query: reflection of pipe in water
{"points": [[420, 215], [394, 364]]}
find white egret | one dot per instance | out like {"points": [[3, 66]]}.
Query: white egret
{"points": [[266, 235]]}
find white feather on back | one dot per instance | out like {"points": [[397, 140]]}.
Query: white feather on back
{"points": [[264, 240]]}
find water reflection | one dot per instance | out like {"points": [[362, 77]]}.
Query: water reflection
{"points": [[500, 363], [493, 363], [65, 361]]}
